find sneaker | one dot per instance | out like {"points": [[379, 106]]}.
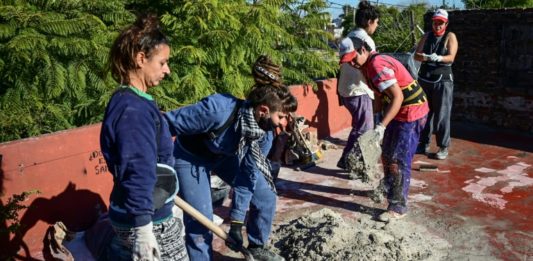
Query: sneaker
{"points": [[341, 164], [262, 254], [422, 149], [390, 215], [442, 153]]}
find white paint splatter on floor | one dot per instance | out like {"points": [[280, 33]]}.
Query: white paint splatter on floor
{"points": [[419, 198], [484, 170], [514, 176], [418, 183]]}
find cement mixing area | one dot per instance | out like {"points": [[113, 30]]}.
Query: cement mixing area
{"points": [[475, 205]]}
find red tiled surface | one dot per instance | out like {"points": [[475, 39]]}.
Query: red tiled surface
{"points": [[498, 179]]}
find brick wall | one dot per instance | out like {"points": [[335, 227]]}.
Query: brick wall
{"points": [[493, 69]]}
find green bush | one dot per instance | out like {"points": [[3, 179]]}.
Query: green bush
{"points": [[53, 54]]}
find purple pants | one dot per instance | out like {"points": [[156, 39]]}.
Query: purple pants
{"points": [[360, 108], [399, 146]]}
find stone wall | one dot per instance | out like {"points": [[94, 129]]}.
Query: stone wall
{"points": [[493, 69]]}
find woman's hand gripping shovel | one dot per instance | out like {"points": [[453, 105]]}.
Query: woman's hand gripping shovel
{"points": [[209, 225]]}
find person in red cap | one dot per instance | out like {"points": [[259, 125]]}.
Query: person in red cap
{"points": [[405, 109], [436, 50]]}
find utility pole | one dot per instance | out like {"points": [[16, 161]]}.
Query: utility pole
{"points": [[353, 11]]}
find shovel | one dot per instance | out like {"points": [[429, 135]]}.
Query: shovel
{"points": [[209, 225], [370, 154], [370, 147]]}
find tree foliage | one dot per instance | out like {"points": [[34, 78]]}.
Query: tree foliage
{"points": [[215, 42], [53, 54], [52, 63], [395, 32]]}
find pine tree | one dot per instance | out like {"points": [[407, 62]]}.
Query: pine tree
{"points": [[215, 42], [53, 54], [52, 63]]}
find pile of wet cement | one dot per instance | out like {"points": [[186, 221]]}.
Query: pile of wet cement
{"points": [[325, 235]]}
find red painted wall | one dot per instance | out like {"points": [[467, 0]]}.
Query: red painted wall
{"points": [[71, 175], [321, 108]]}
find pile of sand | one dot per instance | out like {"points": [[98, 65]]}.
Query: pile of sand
{"points": [[325, 235]]}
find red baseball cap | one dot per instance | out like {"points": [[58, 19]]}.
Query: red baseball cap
{"points": [[347, 50], [348, 57], [441, 15]]}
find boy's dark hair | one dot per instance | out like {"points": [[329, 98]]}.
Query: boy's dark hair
{"points": [[365, 12], [275, 98], [358, 43], [142, 36]]}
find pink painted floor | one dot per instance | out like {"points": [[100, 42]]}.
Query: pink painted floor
{"points": [[480, 200]]}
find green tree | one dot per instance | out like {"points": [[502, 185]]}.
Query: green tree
{"points": [[52, 63], [348, 19], [53, 54], [215, 42], [394, 33]]}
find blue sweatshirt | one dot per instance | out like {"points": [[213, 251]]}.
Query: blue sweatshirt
{"points": [[128, 142], [209, 114]]}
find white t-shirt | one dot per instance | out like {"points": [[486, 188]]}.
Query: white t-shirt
{"points": [[363, 35], [352, 81]]}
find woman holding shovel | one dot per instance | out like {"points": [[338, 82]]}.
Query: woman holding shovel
{"points": [[231, 137]]}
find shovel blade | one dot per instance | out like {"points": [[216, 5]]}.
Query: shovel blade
{"points": [[370, 147]]}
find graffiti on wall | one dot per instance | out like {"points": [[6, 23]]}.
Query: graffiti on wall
{"points": [[96, 163]]}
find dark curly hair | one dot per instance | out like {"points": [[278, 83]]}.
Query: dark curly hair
{"points": [[275, 98], [142, 36], [265, 71], [269, 88], [365, 13]]}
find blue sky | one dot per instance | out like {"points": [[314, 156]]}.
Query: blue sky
{"points": [[336, 10]]}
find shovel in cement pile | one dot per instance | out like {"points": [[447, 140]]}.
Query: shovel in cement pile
{"points": [[370, 147], [370, 150], [209, 224]]}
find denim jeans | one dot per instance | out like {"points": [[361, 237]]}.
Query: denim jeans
{"points": [[194, 180]]}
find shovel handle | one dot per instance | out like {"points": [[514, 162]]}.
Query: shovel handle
{"points": [[200, 217], [209, 224]]}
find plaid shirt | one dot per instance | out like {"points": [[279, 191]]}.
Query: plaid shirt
{"points": [[251, 133]]}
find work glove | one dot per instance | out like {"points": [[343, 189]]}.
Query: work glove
{"points": [[433, 57], [380, 131], [145, 245], [234, 241]]}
